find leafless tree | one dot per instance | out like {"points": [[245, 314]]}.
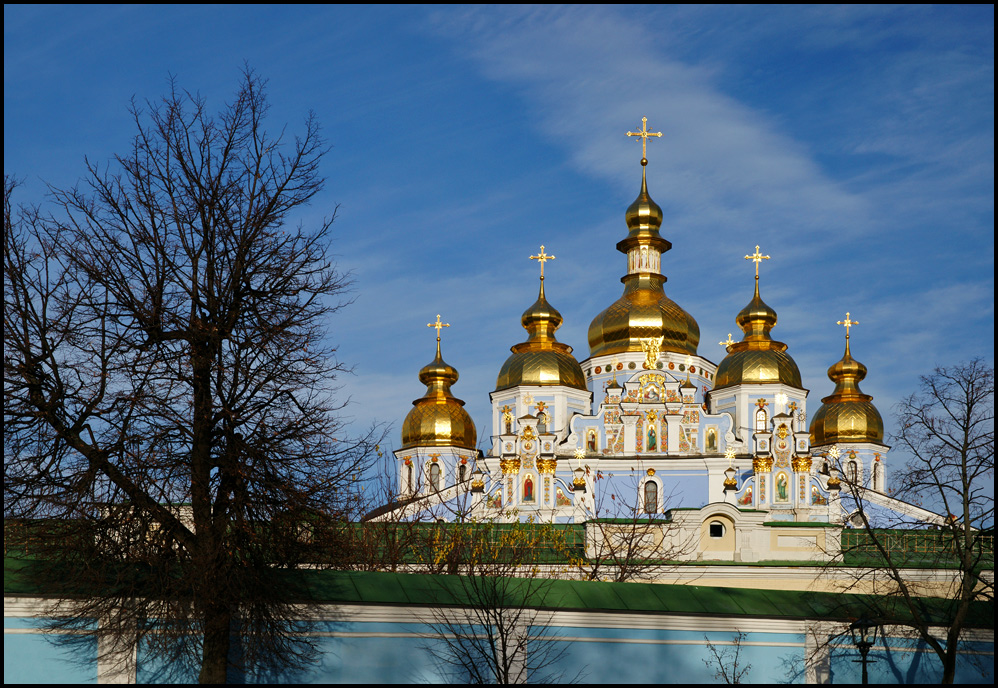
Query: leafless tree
{"points": [[630, 540], [171, 430], [491, 625], [727, 663], [947, 429]]}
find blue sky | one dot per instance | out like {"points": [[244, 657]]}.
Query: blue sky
{"points": [[854, 144]]}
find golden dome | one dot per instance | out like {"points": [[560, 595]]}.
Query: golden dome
{"points": [[542, 359], [847, 415], [757, 359], [644, 310], [438, 419]]}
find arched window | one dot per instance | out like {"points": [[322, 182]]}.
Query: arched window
{"points": [[651, 497], [542, 422], [760, 420], [408, 478], [878, 476], [852, 471], [435, 476], [716, 529], [461, 471]]}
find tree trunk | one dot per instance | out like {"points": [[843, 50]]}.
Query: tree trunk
{"points": [[217, 636]]}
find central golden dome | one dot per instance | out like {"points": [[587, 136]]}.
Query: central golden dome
{"points": [[644, 311], [757, 358], [542, 359], [438, 419], [847, 415]]}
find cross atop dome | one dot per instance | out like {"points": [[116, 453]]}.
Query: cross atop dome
{"points": [[847, 323], [758, 258], [645, 135], [542, 258]]}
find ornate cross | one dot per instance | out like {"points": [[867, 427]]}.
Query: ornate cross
{"points": [[757, 258], [542, 258], [848, 323], [438, 325], [729, 342], [644, 134]]}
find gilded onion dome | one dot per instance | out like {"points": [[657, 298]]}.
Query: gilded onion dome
{"points": [[758, 358], [438, 419], [644, 311], [847, 415], [542, 359]]}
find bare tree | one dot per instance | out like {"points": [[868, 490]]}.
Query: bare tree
{"points": [[727, 663], [168, 407], [947, 428], [631, 540], [491, 625]]}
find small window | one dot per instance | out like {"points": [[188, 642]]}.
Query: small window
{"points": [[651, 497], [408, 479], [435, 477], [461, 471], [852, 471], [716, 529], [760, 420]]}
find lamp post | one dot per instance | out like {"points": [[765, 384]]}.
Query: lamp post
{"points": [[864, 634]]}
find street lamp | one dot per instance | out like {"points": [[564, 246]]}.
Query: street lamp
{"points": [[864, 634]]}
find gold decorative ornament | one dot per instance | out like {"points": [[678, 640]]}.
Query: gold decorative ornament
{"points": [[801, 464], [651, 346], [762, 464], [783, 431], [650, 471], [547, 466], [528, 433], [847, 415], [510, 466]]}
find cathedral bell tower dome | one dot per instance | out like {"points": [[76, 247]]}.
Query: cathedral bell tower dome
{"points": [[758, 358], [643, 311], [438, 419], [847, 415], [542, 359]]}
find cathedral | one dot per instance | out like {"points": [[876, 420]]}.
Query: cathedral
{"points": [[645, 425]]}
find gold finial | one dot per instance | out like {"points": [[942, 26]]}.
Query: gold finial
{"points": [[729, 342], [757, 258], [542, 258], [438, 325], [644, 134], [848, 323]]}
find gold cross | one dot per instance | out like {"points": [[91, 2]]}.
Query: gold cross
{"points": [[757, 258], [729, 342], [848, 323], [543, 258], [644, 134], [438, 325]]}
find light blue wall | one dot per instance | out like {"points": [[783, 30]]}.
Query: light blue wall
{"points": [[33, 658]]}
